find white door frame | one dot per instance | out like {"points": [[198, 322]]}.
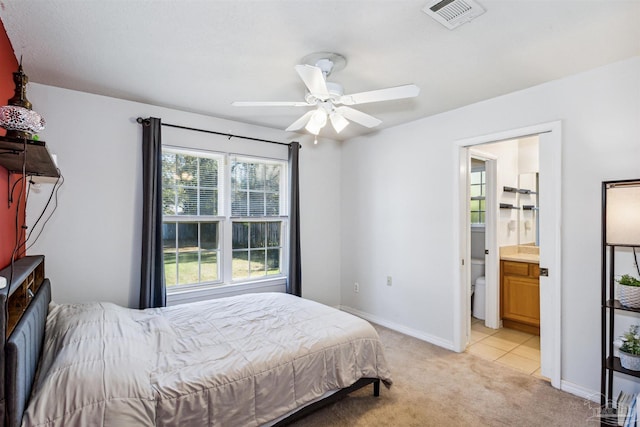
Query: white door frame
{"points": [[550, 150]]}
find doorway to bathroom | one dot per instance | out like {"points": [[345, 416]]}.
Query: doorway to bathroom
{"points": [[547, 226], [505, 313]]}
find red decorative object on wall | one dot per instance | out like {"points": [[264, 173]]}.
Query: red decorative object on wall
{"points": [[8, 64]]}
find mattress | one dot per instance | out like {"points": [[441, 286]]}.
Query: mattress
{"points": [[238, 361]]}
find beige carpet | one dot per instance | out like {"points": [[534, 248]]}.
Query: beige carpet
{"points": [[436, 387]]}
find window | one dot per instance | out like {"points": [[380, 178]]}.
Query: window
{"points": [[223, 218], [191, 225], [477, 190], [255, 208]]}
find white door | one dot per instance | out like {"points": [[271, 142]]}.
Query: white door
{"points": [[549, 202]]}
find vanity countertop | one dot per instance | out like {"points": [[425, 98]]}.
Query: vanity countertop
{"points": [[520, 253]]}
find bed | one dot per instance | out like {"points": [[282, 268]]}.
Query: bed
{"points": [[251, 360]]}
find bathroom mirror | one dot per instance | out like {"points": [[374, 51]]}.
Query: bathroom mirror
{"points": [[528, 201]]}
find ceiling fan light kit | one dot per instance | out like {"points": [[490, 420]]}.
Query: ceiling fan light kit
{"points": [[317, 121], [329, 99], [338, 122]]}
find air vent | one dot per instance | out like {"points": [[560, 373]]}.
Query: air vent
{"points": [[453, 13]]}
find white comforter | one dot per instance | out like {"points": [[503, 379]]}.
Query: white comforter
{"points": [[238, 361]]}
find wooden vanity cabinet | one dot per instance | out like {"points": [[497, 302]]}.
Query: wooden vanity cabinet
{"points": [[520, 296]]}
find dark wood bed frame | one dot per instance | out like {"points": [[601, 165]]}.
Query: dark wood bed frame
{"points": [[22, 324]]}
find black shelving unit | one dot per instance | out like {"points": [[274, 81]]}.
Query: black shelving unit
{"points": [[610, 305]]}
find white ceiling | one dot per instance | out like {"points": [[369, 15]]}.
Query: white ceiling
{"points": [[199, 56]]}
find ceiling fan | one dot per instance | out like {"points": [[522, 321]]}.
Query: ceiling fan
{"points": [[329, 99]]}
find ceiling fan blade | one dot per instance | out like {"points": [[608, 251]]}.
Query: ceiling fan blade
{"points": [[358, 117], [270, 104], [398, 92], [314, 80], [301, 122]]}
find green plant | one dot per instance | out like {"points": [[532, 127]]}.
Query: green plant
{"points": [[631, 340], [629, 281]]}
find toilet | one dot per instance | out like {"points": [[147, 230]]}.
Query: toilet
{"points": [[478, 302], [478, 287]]}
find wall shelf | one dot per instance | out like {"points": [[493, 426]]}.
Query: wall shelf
{"points": [[517, 190], [16, 152], [508, 206]]}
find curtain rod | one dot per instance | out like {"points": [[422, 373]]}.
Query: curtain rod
{"points": [[141, 120]]}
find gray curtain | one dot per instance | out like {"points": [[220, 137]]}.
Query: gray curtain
{"points": [[294, 282], [152, 286]]}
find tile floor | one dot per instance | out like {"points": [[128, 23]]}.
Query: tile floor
{"points": [[508, 347]]}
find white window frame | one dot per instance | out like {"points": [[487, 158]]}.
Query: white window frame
{"points": [[226, 285]]}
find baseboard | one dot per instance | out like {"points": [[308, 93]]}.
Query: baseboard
{"points": [[580, 391], [400, 328]]}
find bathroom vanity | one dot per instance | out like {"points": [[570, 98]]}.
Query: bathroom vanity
{"points": [[520, 289]]}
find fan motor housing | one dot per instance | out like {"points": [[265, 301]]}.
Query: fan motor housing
{"points": [[335, 90]]}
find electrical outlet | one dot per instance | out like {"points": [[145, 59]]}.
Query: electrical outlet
{"points": [[3, 282], [389, 281], [356, 287]]}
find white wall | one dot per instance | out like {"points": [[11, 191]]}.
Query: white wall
{"points": [[398, 209], [507, 155], [515, 158], [92, 242], [528, 155]]}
